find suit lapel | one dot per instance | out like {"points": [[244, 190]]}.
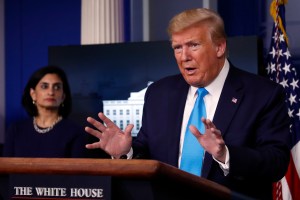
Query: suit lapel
{"points": [[176, 103], [228, 104]]}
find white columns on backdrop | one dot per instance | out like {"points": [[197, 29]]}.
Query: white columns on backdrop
{"points": [[102, 21]]}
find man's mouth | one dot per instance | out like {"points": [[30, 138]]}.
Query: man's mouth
{"points": [[190, 70]]}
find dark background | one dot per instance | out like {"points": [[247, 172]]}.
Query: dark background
{"points": [[32, 26], [112, 71]]}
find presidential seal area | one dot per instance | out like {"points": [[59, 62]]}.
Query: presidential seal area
{"points": [[86, 192]]}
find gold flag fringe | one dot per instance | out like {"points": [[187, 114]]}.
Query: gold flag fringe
{"points": [[274, 14]]}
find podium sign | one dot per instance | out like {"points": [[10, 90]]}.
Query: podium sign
{"points": [[43, 186]]}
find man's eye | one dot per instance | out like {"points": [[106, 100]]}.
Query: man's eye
{"points": [[194, 46], [177, 49]]}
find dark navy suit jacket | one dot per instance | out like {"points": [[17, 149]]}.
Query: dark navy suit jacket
{"points": [[252, 116]]}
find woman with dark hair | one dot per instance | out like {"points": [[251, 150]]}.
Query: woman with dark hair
{"points": [[48, 133]]}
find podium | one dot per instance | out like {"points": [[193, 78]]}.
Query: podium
{"points": [[130, 179]]}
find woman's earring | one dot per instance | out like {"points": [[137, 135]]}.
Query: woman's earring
{"points": [[33, 102]]}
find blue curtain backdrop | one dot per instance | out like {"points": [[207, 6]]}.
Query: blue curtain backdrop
{"points": [[30, 27], [243, 18]]}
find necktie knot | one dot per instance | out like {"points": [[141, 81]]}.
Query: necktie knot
{"points": [[201, 92]]}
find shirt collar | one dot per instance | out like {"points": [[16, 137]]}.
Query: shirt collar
{"points": [[216, 85]]}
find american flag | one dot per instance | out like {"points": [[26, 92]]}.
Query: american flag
{"points": [[281, 70]]}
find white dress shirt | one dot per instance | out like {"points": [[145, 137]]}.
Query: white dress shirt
{"points": [[211, 101]]}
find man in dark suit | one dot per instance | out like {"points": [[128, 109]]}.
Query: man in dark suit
{"points": [[246, 137]]}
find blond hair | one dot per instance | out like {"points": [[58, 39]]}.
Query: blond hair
{"points": [[199, 16]]}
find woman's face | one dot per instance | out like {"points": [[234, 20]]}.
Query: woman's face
{"points": [[48, 93]]}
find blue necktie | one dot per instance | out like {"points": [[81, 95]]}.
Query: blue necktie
{"points": [[192, 151]]}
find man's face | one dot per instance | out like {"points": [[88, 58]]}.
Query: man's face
{"points": [[198, 58]]}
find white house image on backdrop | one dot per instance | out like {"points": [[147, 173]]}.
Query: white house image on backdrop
{"points": [[124, 112]]}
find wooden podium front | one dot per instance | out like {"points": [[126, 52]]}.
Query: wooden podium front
{"points": [[130, 179]]}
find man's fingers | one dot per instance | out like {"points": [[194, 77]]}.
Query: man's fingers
{"points": [[93, 145], [105, 120], [207, 123], [128, 130], [195, 131], [98, 125], [93, 132], [215, 131]]}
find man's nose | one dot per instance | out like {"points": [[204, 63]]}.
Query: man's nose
{"points": [[185, 54]]}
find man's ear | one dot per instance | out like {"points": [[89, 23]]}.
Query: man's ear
{"points": [[221, 48]]}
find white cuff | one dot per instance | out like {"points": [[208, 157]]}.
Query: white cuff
{"points": [[224, 166], [129, 155]]}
